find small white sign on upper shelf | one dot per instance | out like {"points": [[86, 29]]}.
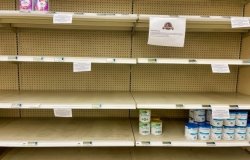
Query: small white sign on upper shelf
{"points": [[63, 112], [63, 18], [167, 31], [240, 22], [82, 66], [220, 68]]}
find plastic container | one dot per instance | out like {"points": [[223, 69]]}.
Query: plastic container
{"points": [[191, 131], [240, 133], [230, 122], [204, 131], [144, 128], [41, 5], [156, 127], [25, 5], [199, 115], [208, 115], [228, 133], [145, 116], [216, 133], [241, 118], [248, 131], [216, 122]]}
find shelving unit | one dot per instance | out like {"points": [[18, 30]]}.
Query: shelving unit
{"points": [[36, 77]]}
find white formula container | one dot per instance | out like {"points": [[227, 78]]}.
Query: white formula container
{"points": [[144, 128], [199, 115], [191, 131], [240, 133], [230, 122], [204, 131], [145, 116], [156, 127], [241, 118], [208, 115], [216, 122], [228, 133], [216, 133]]}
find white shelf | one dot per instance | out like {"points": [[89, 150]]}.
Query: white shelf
{"points": [[173, 136], [192, 61], [165, 100], [13, 58], [196, 23], [89, 21], [125, 154], [65, 133], [98, 21], [74, 100]]}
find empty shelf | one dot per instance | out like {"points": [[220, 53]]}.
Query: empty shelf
{"points": [[165, 100], [74, 100], [65, 133], [126, 154], [11, 58], [193, 61], [173, 136], [196, 23]]}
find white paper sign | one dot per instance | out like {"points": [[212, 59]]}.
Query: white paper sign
{"points": [[83, 66], [220, 113], [240, 22], [63, 112], [62, 18], [220, 68], [167, 31]]}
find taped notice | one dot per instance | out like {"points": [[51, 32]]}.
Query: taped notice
{"points": [[63, 112], [240, 22], [220, 68], [167, 31], [220, 112], [83, 66], [62, 18]]}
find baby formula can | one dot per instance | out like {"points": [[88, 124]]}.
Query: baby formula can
{"points": [[191, 131], [240, 133], [145, 115], [208, 115], [25, 5], [144, 128], [156, 127], [216, 133], [228, 133], [199, 115], [241, 118], [42, 5], [204, 131], [217, 122], [232, 120], [248, 131]]}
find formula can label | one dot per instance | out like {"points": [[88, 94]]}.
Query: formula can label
{"points": [[191, 133], [241, 122], [208, 115], [199, 115], [25, 5], [240, 133], [144, 128], [145, 116], [42, 5], [228, 133], [217, 122], [156, 127], [229, 122], [204, 133], [216, 133]]}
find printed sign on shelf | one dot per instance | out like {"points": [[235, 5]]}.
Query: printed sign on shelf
{"points": [[167, 31], [83, 66], [220, 112], [240, 22], [220, 68], [63, 112], [62, 18]]}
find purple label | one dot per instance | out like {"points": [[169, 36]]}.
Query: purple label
{"points": [[42, 5], [25, 5]]}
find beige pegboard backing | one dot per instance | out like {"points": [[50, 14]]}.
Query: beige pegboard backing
{"points": [[8, 43], [247, 10], [7, 113], [182, 78], [92, 6], [7, 5], [197, 45], [8, 76], [74, 43], [59, 76], [189, 7], [163, 113], [78, 113]]}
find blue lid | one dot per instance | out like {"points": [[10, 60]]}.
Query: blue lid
{"points": [[242, 112], [205, 125], [191, 125], [229, 127], [248, 124], [232, 111]]}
